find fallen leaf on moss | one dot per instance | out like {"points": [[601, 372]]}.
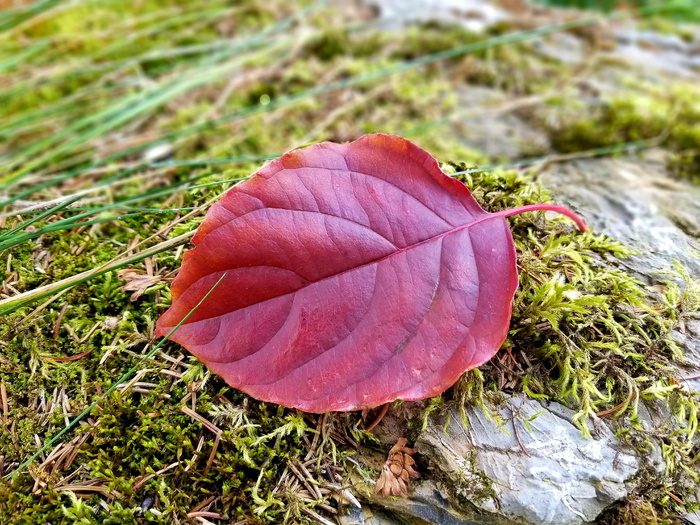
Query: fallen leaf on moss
{"points": [[397, 470], [351, 275], [137, 282]]}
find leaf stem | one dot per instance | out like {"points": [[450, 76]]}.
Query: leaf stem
{"points": [[545, 207]]}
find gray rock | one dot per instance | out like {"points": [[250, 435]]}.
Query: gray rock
{"points": [[652, 40], [474, 15], [688, 336], [489, 126], [668, 62], [667, 54], [635, 202], [351, 510], [692, 518], [366, 516], [563, 47], [557, 476], [428, 504]]}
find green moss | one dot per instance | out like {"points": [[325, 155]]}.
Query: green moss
{"points": [[634, 511], [328, 45], [686, 164], [474, 488], [671, 118], [616, 121], [667, 26], [432, 38]]}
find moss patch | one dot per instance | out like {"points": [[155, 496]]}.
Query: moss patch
{"points": [[671, 118]]}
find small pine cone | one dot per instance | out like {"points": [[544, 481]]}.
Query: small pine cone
{"points": [[398, 468]]}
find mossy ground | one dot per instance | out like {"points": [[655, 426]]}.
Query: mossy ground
{"points": [[175, 444]]}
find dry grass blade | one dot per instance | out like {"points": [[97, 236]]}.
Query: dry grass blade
{"points": [[141, 481], [89, 487], [5, 406], [42, 291], [212, 428]]}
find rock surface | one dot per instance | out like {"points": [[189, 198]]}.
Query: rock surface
{"points": [[667, 54], [636, 202], [428, 503], [526, 463], [543, 473], [535, 467], [474, 15], [688, 335], [492, 128]]}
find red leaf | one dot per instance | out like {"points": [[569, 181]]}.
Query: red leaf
{"points": [[355, 274]]}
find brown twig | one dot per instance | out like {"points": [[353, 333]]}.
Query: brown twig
{"points": [[203, 504], [140, 482], [70, 358], [381, 415], [57, 325], [617, 407], [316, 516], [211, 427], [317, 435], [675, 498], [206, 514], [688, 378], [5, 406], [517, 437]]}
